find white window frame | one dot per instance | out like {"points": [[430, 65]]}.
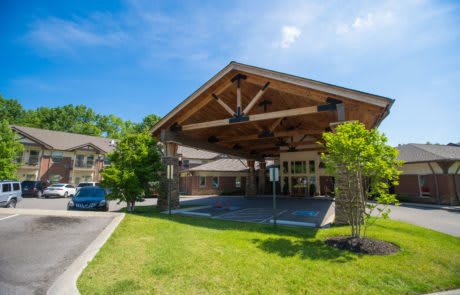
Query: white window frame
{"points": [[218, 182], [199, 181], [238, 183]]}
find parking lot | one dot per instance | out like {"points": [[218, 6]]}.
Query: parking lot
{"points": [[36, 249], [316, 212]]}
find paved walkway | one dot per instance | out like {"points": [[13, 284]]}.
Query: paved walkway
{"points": [[446, 221]]}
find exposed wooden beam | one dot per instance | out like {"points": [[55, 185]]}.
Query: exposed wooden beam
{"points": [[280, 134], [238, 79], [186, 140], [275, 124], [224, 105], [200, 104], [262, 117], [255, 99]]}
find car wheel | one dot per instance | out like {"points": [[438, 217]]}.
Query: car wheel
{"points": [[39, 194], [66, 194], [12, 203]]}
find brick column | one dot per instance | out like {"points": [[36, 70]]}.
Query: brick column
{"points": [[341, 204], [251, 188], [261, 188], [169, 159]]}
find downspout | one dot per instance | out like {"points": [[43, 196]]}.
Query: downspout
{"points": [[435, 183]]}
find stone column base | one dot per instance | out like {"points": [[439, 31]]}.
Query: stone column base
{"points": [[162, 203]]}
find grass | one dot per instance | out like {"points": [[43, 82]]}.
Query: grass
{"points": [[152, 253]]}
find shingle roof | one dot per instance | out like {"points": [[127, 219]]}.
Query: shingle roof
{"points": [[411, 153], [226, 165], [59, 140], [192, 153]]}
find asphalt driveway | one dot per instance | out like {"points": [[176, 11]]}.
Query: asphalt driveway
{"points": [[36, 249]]}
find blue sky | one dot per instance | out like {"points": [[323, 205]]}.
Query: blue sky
{"points": [[132, 58]]}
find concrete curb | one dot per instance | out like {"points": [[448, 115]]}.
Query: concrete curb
{"points": [[66, 283], [57, 212], [450, 292], [433, 206]]}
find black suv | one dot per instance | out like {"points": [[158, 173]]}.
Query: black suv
{"points": [[33, 188]]}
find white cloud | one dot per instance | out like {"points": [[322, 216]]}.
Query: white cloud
{"points": [[363, 23], [289, 35], [57, 34]]}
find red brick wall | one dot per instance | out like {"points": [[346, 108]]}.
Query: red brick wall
{"points": [[408, 186], [62, 168], [226, 183]]}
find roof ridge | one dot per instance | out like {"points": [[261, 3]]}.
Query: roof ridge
{"points": [[417, 145], [59, 131]]}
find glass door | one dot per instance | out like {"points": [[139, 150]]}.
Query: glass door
{"points": [[299, 178]]}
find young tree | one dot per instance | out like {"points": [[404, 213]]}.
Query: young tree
{"points": [[135, 165], [9, 149], [364, 167]]}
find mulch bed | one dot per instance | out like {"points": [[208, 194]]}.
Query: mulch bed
{"points": [[363, 245]]}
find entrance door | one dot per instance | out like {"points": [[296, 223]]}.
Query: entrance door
{"points": [[299, 177]]}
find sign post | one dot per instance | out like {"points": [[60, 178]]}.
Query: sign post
{"points": [[274, 177], [170, 174]]}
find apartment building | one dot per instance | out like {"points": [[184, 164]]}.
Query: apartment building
{"points": [[56, 156]]}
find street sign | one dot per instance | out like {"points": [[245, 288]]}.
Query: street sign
{"points": [[274, 174]]}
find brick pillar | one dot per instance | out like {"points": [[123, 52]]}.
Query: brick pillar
{"points": [[251, 188], [170, 159], [261, 188], [341, 205]]}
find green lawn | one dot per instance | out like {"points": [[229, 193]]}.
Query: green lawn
{"points": [[151, 253]]}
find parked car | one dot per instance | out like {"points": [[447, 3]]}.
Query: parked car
{"points": [[85, 184], [89, 198], [10, 193], [33, 188], [59, 190]]}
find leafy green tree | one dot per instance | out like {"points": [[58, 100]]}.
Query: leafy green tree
{"points": [[10, 147], [149, 121], [11, 110], [135, 165], [364, 166]]}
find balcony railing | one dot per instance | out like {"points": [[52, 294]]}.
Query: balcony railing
{"points": [[83, 164]]}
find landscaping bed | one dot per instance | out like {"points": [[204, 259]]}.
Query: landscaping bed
{"points": [[363, 245], [152, 253]]}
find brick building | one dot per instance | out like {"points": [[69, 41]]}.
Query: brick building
{"points": [[430, 173], [56, 156]]}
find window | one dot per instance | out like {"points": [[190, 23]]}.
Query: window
{"points": [[69, 186], [424, 189], [285, 167], [185, 164], [79, 161], [106, 161], [16, 186], [311, 163], [56, 156], [33, 157], [202, 181], [215, 182], [238, 182], [6, 187], [89, 161], [18, 158]]}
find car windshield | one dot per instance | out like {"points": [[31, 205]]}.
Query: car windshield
{"points": [[28, 184], [90, 193], [83, 184], [57, 185]]}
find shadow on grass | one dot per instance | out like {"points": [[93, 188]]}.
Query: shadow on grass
{"points": [[306, 247]]}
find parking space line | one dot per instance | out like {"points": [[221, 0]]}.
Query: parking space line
{"points": [[269, 218], [8, 217]]}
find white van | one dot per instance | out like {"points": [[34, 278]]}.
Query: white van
{"points": [[10, 193]]}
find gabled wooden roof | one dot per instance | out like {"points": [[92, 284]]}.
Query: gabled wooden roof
{"points": [[268, 111]]}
